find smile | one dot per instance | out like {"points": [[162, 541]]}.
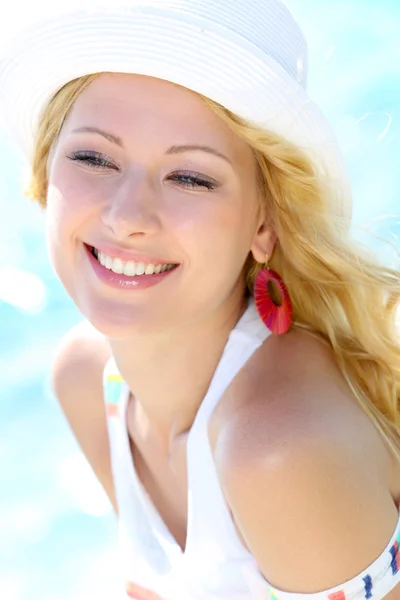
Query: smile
{"points": [[129, 268]]}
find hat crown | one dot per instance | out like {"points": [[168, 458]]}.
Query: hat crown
{"points": [[266, 24], [249, 56]]}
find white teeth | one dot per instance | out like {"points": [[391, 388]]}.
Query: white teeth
{"points": [[117, 266], [129, 268], [149, 270]]}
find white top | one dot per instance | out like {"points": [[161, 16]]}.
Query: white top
{"points": [[214, 565]]}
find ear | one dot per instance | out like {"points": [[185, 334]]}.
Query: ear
{"points": [[264, 242]]}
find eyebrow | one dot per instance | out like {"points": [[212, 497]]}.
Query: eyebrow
{"points": [[172, 150]]}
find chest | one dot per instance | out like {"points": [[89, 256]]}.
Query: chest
{"points": [[165, 479], [162, 475]]}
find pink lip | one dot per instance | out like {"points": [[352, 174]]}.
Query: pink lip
{"points": [[120, 281], [126, 255]]}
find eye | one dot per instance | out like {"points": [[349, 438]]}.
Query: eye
{"points": [[94, 160], [193, 181]]}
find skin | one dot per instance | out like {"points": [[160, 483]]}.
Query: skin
{"points": [[288, 421], [303, 469], [139, 207]]}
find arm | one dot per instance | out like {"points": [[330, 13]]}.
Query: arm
{"points": [[304, 473], [76, 377]]}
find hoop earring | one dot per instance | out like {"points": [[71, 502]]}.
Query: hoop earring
{"points": [[276, 316]]}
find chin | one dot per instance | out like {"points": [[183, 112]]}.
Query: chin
{"points": [[122, 321]]}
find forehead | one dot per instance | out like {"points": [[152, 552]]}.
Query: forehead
{"points": [[134, 105]]}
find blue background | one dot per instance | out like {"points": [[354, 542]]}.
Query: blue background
{"points": [[57, 530]]}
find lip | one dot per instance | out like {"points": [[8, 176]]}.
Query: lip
{"points": [[127, 256], [124, 282]]}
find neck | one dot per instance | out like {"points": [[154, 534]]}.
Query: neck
{"points": [[169, 374]]}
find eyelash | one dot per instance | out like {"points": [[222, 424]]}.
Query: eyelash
{"points": [[89, 158]]}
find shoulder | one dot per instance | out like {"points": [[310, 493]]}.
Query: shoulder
{"points": [[83, 341], [302, 468], [78, 363], [77, 382], [290, 395]]}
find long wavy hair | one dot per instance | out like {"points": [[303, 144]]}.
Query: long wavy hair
{"points": [[339, 291]]}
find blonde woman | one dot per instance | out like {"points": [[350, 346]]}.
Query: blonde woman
{"points": [[235, 383]]}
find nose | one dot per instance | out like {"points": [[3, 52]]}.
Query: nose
{"points": [[133, 209]]}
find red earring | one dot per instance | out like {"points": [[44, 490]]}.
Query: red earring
{"points": [[276, 316]]}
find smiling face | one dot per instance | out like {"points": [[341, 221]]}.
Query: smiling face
{"points": [[147, 196]]}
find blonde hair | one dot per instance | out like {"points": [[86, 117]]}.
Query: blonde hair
{"points": [[339, 291]]}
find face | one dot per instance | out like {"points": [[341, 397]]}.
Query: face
{"points": [[143, 194]]}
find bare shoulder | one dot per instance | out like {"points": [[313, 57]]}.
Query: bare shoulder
{"points": [[299, 460], [77, 381], [288, 394]]}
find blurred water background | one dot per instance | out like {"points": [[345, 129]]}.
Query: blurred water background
{"points": [[57, 530]]}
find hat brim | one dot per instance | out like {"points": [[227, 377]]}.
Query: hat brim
{"points": [[190, 52]]}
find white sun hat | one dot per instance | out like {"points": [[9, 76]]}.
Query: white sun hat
{"points": [[248, 55]]}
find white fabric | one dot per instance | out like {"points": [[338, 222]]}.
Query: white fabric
{"points": [[215, 565]]}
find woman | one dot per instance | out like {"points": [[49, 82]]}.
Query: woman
{"points": [[244, 424]]}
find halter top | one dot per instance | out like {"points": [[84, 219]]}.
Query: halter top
{"points": [[214, 565]]}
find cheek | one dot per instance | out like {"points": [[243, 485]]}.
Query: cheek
{"points": [[57, 224], [61, 219], [70, 200], [66, 191], [215, 234], [67, 208]]}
